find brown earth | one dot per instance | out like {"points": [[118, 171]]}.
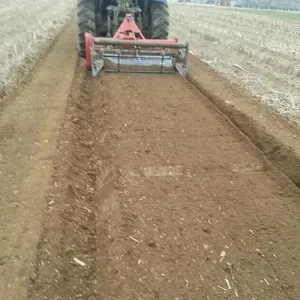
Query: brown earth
{"points": [[29, 126], [155, 194], [274, 135]]}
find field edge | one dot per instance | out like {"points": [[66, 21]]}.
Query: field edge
{"points": [[52, 92], [277, 138], [22, 79]]}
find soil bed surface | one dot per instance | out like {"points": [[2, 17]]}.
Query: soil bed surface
{"points": [[150, 193]]}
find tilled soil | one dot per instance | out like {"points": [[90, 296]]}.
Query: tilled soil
{"points": [[188, 208], [160, 197], [154, 195]]}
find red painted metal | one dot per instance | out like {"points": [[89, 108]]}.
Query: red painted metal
{"points": [[88, 42], [128, 30]]}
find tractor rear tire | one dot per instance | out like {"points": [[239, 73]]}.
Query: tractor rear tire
{"points": [[86, 19], [159, 13]]}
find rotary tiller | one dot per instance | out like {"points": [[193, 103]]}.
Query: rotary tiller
{"points": [[128, 51]]}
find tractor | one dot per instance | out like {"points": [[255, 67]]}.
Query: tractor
{"points": [[102, 18]]}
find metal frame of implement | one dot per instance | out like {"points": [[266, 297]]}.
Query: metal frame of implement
{"points": [[128, 43]]}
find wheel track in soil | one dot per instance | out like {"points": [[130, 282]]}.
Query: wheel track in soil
{"points": [[151, 183], [69, 229]]}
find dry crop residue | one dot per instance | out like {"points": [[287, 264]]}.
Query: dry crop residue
{"points": [[255, 51], [27, 29]]}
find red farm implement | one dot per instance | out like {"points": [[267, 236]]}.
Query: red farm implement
{"points": [[130, 52]]}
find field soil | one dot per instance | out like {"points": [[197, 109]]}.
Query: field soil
{"points": [[29, 126], [147, 191]]}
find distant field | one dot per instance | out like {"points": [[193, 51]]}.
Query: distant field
{"points": [[257, 49], [24, 32], [285, 15], [279, 14]]}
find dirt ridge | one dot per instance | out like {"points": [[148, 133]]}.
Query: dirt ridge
{"points": [[29, 126], [269, 132], [66, 253]]}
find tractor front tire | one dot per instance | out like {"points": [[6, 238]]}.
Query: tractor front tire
{"points": [[86, 20], [159, 13]]}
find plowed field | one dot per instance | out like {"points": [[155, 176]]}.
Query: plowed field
{"points": [[137, 187]]}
